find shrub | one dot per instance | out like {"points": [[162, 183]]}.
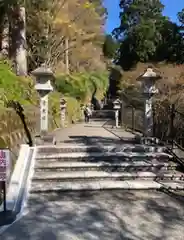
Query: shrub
{"points": [[73, 109], [81, 86]]}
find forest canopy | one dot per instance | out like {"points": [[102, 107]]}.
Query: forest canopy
{"points": [[146, 35], [66, 34]]}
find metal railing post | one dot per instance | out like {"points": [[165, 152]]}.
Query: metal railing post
{"points": [[133, 118], [154, 122], [171, 131]]}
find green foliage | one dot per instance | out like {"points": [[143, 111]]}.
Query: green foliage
{"points": [[146, 35], [74, 112], [171, 46], [82, 85], [73, 108], [114, 80], [110, 47], [54, 106], [72, 86], [16, 88], [139, 30], [77, 89]]}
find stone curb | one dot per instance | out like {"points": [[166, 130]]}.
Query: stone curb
{"points": [[17, 176], [19, 184]]}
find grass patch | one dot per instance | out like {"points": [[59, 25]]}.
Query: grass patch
{"points": [[16, 88]]}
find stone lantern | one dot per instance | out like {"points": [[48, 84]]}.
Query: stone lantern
{"points": [[117, 107], [43, 85], [63, 105], [148, 81]]}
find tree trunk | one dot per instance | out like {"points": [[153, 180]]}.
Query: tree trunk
{"points": [[17, 26], [4, 34], [21, 53], [5, 38], [67, 55]]}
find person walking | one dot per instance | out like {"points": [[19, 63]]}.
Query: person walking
{"points": [[87, 113]]}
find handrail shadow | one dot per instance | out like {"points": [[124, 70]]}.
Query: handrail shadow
{"points": [[20, 112]]}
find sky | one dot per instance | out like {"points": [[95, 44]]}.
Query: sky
{"points": [[172, 7]]}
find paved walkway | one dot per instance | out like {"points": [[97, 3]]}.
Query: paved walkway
{"points": [[92, 132], [104, 215], [111, 215]]}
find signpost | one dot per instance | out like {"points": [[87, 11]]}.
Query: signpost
{"points": [[4, 172]]}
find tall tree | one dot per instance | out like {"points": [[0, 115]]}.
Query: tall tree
{"points": [[56, 29], [14, 33], [171, 47], [17, 22], [68, 25], [139, 30]]}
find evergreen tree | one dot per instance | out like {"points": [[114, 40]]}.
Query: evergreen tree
{"points": [[171, 46], [181, 17], [139, 31]]}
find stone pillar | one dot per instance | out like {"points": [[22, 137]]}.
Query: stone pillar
{"points": [[117, 118], [63, 111], [117, 107], [44, 113], [148, 117]]}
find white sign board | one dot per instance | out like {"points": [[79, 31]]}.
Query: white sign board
{"points": [[4, 164], [44, 113]]}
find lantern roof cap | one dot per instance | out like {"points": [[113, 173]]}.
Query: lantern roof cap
{"points": [[43, 70], [150, 73]]}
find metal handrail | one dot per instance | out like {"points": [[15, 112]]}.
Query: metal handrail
{"points": [[171, 121]]}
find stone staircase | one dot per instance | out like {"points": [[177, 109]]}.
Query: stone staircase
{"points": [[96, 167]]}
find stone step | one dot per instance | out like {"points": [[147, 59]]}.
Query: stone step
{"points": [[47, 165], [103, 175], [104, 185], [103, 155], [107, 159], [95, 148]]}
